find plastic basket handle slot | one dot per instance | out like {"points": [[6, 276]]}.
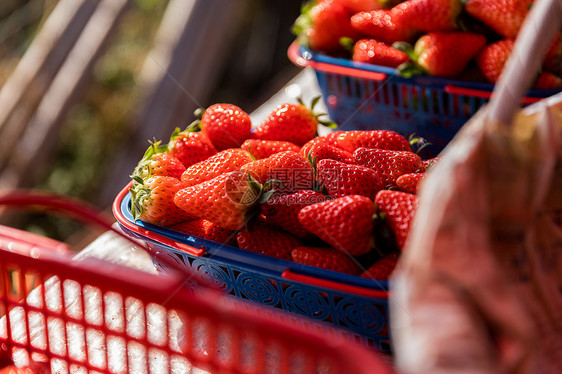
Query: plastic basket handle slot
{"points": [[333, 285], [297, 59]]}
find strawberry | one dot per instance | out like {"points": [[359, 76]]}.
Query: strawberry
{"points": [[493, 57], [226, 200], [309, 145], [220, 163], [267, 240], [374, 52], [202, 228], [383, 139], [547, 80], [264, 148], [322, 151], [156, 161], [503, 16], [344, 223], [428, 15], [430, 163], [326, 258], [289, 168], [293, 123], [388, 164], [383, 268], [382, 25], [442, 54], [152, 200], [190, 147], [354, 6], [226, 126], [341, 179], [321, 25], [399, 209], [283, 210], [409, 182]]}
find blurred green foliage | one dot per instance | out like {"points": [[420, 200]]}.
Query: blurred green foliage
{"points": [[99, 123]]}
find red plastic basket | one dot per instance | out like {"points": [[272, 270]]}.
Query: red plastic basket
{"points": [[93, 316]]}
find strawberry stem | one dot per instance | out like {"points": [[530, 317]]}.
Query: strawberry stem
{"points": [[418, 143], [347, 43]]}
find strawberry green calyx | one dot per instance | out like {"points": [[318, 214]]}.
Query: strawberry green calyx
{"points": [[266, 192], [143, 167], [303, 23], [347, 43], [316, 186], [313, 103], [410, 68], [418, 143], [152, 200], [155, 147], [139, 195]]}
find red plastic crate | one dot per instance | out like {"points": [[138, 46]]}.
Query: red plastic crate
{"points": [[94, 316]]}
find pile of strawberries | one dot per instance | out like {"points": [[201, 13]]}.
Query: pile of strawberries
{"points": [[342, 202], [457, 39]]}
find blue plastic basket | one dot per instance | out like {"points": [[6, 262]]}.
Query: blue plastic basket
{"points": [[354, 306], [362, 96]]}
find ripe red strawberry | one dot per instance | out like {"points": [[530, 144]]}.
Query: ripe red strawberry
{"points": [[226, 126], [442, 54], [344, 223], [382, 25], [202, 228], [382, 139], [503, 16], [326, 258], [341, 179], [382, 268], [321, 25], [493, 57], [388, 164], [223, 162], [374, 52], [264, 148], [267, 240], [290, 168], [312, 143], [152, 200], [430, 163], [547, 80], [227, 200], [283, 210], [399, 209], [354, 6], [428, 15], [409, 182], [190, 147], [156, 161], [324, 151], [293, 123]]}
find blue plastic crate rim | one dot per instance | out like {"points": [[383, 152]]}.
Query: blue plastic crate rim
{"points": [[352, 304]]}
